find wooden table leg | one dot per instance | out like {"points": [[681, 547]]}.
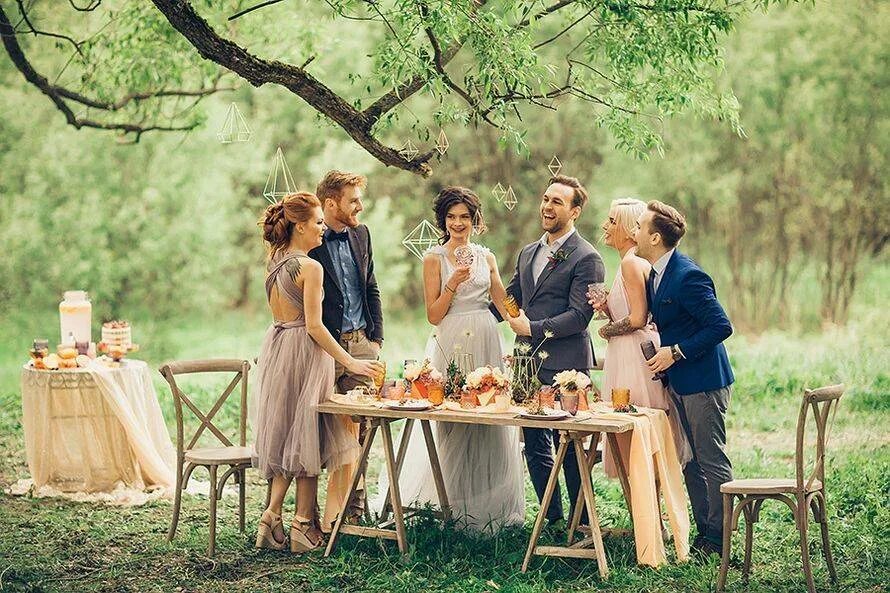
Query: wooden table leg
{"points": [[622, 472], [578, 507], [587, 488], [400, 460], [437, 469], [356, 478], [545, 501], [394, 494]]}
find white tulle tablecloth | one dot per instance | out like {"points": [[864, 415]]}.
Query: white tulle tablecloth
{"points": [[96, 429]]}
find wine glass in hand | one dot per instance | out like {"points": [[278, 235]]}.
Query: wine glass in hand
{"points": [[596, 295]]}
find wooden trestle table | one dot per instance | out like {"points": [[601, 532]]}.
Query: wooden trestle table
{"points": [[572, 433]]}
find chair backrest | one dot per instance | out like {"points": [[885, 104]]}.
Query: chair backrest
{"points": [[240, 367], [823, 402]]}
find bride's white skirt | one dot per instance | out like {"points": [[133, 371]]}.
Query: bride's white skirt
{"points": [[482, 466]]}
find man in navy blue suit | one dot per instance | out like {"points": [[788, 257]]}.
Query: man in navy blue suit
{"points": [[692, 326]]}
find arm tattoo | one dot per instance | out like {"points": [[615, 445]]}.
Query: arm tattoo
{"points": [[617, 328], [292, 267]]}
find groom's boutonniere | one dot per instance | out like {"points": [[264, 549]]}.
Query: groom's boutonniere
{"points": [[559, 255]]}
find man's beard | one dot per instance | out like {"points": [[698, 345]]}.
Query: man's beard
{"points": [[345, 220], [558, 226]]}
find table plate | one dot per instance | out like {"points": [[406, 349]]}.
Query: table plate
{"points": [[413, 405], [551, 415]]}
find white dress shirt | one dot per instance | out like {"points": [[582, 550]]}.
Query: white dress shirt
{"points": [[545, 251], [658, 269]]}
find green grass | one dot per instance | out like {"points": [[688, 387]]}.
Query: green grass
{"points": [[57, 545]]}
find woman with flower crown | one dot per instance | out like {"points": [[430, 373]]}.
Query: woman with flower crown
{"points": [[481, 465]]}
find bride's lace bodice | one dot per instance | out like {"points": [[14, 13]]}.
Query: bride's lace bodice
{"points": [[472, 294]]}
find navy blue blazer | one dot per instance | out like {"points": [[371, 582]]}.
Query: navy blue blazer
{"points": [[687, 313]]}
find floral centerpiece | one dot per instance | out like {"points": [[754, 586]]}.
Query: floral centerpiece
{"points": [[485, 382], [573, 382], [423, 378]]}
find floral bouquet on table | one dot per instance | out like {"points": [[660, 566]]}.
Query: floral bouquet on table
{"points": [[426, 382], [487, 382], [573, 383]]}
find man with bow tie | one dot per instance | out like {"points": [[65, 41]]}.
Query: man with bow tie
{"points": [[351, 309], [692, 327]]}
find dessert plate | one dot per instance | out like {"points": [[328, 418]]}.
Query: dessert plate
{"points": [[547, 414], [411, 404]]}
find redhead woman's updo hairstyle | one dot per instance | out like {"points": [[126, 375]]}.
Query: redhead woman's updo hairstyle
{"points": [[279, 219], [451, 196]]}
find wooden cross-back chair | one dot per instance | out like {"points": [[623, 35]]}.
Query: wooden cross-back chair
{"points": [[236, 457], [801, 494]]}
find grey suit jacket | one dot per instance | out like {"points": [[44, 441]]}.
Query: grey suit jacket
{"points": [[557, 303]]}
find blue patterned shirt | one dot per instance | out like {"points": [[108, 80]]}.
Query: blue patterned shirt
{"points": [[348, 279]]}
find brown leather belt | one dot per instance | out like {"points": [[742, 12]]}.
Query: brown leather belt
{"points": [[353, 335]]}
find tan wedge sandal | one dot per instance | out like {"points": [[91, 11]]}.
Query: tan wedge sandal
{"points": [[301, 537], [270, 527]]}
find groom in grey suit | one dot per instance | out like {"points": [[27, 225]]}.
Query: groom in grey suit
{"points": [[550, 286]]}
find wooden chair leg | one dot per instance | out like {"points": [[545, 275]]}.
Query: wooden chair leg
{"points": [[749, 540], [211, 548], [728, 510], [177, 504], [802, 519], [826, 542], [241, 475]]}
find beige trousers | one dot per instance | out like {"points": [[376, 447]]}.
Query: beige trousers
{"points": [[358, 346]]}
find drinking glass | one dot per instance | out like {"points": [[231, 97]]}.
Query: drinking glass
{"points": [[464, 256], [569, 402], [547, 397], [597, 293], [620, 397], [380, 378]]}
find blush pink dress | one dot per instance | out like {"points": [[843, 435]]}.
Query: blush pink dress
{"points": [[625, 366]]}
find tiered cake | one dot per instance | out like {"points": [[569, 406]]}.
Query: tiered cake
{"points": [[117, 333]]}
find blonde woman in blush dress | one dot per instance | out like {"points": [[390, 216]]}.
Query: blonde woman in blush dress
{"points": [[295, 373], [629, 324]]}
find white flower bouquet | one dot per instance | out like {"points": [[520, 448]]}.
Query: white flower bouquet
{"points": [[485, 382]]}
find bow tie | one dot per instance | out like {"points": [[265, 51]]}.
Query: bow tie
{"points": [[335, 236]]}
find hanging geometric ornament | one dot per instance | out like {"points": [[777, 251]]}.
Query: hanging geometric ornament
{"points": [[478, 223], [498, 192], [555, 166], [409, 151], [280, 182], [234, 128], [510, 198], [421, 238], [442, 143]]}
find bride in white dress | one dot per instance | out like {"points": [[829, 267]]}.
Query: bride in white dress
{"points": [[482, 466]]}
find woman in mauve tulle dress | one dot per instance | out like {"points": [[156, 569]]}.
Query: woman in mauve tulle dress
{"points": [[629, 324], [295, 373]]}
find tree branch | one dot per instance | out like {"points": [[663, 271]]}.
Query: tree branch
{"points": [[258, 72], [58, 94], [388, 101], [254, 7], [37, 31], [549, 10]]}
